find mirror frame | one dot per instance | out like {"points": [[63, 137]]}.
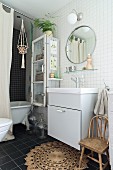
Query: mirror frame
{"points": [[72, 33]]}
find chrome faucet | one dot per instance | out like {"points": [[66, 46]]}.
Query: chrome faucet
{"points": [[76, 80]]}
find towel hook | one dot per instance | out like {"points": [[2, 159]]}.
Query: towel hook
{"points": [[106, 87]]}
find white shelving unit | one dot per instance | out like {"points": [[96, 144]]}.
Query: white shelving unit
{"points": [[44, 50], [54, 79], [37, 61], [37, 82]]}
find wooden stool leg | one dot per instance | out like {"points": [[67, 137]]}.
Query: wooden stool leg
{"points": [[107, 154], [100, 161], [82, 153]]}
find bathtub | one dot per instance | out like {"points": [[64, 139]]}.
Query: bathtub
{"points": [[20, 111]]}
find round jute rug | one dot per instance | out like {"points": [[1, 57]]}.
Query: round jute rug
{"points": [[54, 156]]}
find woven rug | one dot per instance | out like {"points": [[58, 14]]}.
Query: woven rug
{"points": [[54, 156]]}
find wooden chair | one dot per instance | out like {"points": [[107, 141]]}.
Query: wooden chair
{"points": [[96, 140]]}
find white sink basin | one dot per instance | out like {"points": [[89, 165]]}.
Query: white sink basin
{"points": [[73, 90]]}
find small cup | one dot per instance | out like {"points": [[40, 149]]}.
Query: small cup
{"points": [[52, 75]]}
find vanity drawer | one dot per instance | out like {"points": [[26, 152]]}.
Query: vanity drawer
{"points": [[65, 125], [65, 100]]}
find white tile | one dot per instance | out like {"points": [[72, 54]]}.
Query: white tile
{"points": [[98, 14]]}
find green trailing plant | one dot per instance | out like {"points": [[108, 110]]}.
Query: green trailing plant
{"points": [[44, 25], [72, 37]]}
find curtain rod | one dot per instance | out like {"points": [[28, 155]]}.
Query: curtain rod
{"points": [[18, 12]]}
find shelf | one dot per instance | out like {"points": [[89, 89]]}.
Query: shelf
{"points": [[34, 62], [37, 104], [54, 79], [42, 94], [37, 82], [81, 70], [39, 72]]}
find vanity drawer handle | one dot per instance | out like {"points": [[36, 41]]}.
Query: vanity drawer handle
{"points": [[62, 111]]}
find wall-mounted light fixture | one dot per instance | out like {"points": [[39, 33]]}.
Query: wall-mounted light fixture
{"points": [[73, 17]]}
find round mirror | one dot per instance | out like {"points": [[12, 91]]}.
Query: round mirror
{"points": [[80, 43]]}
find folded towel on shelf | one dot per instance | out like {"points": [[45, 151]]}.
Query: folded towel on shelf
{"points": [[101, 106]]}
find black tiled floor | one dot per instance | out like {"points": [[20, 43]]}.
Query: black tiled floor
{"points": [[16, 154], [17, 168], [25, 151], [20, 161], [91, 167], [4, 159], [9, 149], [21, 146], [12, 153], [8, 166], [2, 153], [23, 167]]}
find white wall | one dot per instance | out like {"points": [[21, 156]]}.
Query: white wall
{"points": [[98, 14]]}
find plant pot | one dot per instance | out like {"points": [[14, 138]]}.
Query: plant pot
{"points": [[48, 33]]}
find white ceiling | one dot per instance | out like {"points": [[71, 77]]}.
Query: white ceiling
{"points": [[36, 8]]}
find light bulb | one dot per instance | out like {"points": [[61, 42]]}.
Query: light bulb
{"points": [[72, 18]]}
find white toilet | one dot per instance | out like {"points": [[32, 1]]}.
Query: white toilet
{"points": [[4, 127]]}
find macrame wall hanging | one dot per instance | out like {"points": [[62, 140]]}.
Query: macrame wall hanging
{"points": [[22, 43]]}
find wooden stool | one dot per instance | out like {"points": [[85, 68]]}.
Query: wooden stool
{"points": [[96, 140]]}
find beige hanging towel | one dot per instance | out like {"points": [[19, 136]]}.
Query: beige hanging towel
{"points": [[101, 106]]}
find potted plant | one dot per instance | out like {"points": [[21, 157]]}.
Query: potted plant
{"points": [[45, 25]]}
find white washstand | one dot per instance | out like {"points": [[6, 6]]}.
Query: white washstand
{"points": [[69, 113]]}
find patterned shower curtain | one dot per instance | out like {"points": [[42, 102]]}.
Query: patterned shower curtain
{"points": [[6, 34]]}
